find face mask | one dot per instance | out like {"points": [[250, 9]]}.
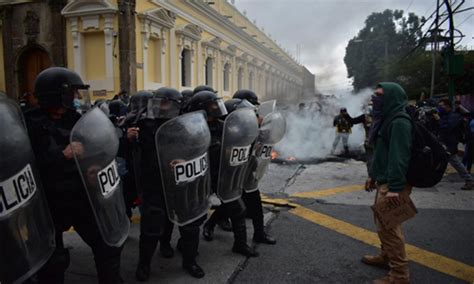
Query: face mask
{"points": [[76, 103], [377, 106]]}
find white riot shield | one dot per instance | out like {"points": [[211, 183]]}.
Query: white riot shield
{"points": [[240, 131], [271, 131], [26, 228], [182, 147], [95, 160], [266, 108]]}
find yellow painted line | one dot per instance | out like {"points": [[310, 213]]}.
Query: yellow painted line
{"points": [[450, 170], [279, 202], [429, 259], [328, 192]]}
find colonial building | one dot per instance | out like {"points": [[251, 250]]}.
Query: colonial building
{"points": [[144, 44]]}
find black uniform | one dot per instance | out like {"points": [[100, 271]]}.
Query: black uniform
{"points": [[155, 224], [234, 210], [66, 197]]}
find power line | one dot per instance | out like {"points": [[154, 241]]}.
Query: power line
{"points": [[411, 2], [463, 21]]}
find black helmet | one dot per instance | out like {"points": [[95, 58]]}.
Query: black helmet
{"points": [[117, 108], [203, 88], [140, 100], [234, 104], [165, 104], [187, 94], [56, 86], [209, 102], [248, 95]]}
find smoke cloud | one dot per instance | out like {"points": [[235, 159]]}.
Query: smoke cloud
{"points": [[310, 131]]}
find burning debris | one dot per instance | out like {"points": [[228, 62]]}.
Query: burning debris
{"points": [[310, 131]]}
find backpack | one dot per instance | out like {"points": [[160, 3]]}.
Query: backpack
{"points": [[429, 158]]}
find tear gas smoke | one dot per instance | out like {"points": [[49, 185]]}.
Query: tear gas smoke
{"points": [[310, 131]]}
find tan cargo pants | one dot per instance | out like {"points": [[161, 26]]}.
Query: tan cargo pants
{"points": [[393, 242]]}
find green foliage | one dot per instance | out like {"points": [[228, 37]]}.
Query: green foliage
{"points": [[372, 56]]}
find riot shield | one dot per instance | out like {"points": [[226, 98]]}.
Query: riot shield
{"points": [[266, 108], [26, 228], [182, 147], [240, 131], [271, 131], [95, 157]]}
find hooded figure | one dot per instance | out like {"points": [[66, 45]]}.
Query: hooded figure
{"points": [[392, 153], [391, 159]]}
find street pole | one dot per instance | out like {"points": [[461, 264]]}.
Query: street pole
{"points": [[386, 61], [450, 53], [434, 48]]}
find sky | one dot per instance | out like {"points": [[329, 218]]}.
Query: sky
{"points": [[322, 28]]}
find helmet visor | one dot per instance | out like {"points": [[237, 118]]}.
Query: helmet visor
{"points": [[216, 108], [159, 108]]}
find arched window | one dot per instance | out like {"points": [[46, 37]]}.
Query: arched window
{"points": [[240, 77], [226, 77], [186, 68], [209, 67]]}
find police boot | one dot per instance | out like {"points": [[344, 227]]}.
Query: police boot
{"points": [[194, 269], [147, 248], [240, 238], [208, 228]]}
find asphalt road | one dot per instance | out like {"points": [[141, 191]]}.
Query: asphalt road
{"points": [[323, 238]]}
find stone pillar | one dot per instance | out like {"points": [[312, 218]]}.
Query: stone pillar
{"points": [[9, 59], [127, 46], [58, 32]]}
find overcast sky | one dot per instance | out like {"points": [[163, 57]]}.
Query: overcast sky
{"points": [[324, 27]]}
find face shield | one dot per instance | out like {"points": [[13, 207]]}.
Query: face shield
{"points": [[159, 108], [216, 108], [245, 104], [77, 97]]}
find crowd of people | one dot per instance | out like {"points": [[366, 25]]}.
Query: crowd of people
{"points": [[452, 125], [162, 151], [165, 152]]}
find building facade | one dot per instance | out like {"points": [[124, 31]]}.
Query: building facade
{"points": [[144, 44]]}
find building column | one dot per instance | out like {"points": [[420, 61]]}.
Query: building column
{"points": [[173, 56]]}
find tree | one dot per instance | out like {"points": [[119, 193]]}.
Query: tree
{"points": [[373, 54]]}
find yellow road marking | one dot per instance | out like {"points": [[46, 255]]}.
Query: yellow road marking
{"points": [[279, 202], [328, 192], [429, 259]]}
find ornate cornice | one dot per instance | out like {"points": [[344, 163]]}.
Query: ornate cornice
{"points": [[88, 8], [159, 16]]}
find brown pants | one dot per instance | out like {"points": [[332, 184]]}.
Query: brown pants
{"points": [[393, 242]]}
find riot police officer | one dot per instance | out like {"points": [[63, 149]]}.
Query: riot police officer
{"points": [[49, 128], [155, 222], [233, 208], [251, 194]]}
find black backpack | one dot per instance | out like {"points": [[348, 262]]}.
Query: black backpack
{"points": [[429, 158]]}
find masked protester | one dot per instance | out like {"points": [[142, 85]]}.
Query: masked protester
{"points": [[231, 140], [343, 125], [51, 128], [388, 175], [450, 132]]}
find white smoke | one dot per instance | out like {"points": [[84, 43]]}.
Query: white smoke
{"points": [[310, 132]]}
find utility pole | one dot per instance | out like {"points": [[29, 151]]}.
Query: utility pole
{"points": [[386, 61], [434, 48], [450, 51]]}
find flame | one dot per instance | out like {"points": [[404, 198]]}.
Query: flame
{"points": [[291, 159], [274, 155]]}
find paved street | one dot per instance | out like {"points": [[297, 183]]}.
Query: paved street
{"points": [[322, 220]]}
